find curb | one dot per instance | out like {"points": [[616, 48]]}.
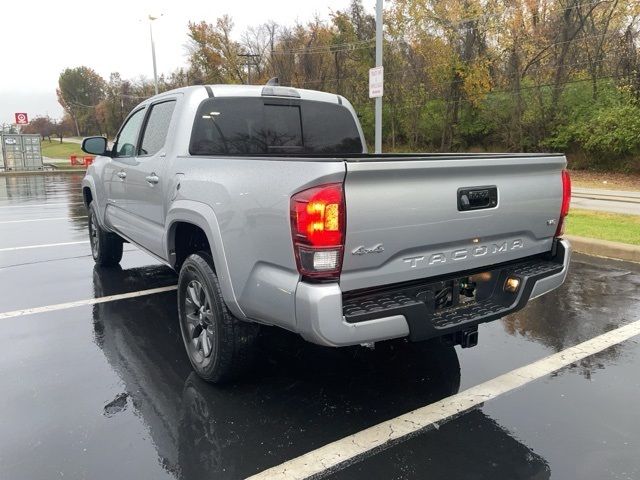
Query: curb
{"points": [[605, 248]]}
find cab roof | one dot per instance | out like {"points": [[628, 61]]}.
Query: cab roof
{"points": [[229, 90]]}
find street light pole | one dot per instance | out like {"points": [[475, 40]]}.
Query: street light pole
{"points": [[378, 111], [153, 52]]}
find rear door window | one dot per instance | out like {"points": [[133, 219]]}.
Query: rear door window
{"points": [[245, 126], [157, 127]]}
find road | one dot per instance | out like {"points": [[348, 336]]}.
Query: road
{"points": [[77, 140], [614, 201], [102, 389]]}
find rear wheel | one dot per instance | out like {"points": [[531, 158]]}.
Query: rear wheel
{"points": [[219, 346], [106, 247]]}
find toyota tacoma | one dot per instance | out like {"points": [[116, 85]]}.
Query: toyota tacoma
{"points": [[265, 201]]}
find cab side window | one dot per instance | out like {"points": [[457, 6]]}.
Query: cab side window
{"points": [[157, 127], [128, 138]]}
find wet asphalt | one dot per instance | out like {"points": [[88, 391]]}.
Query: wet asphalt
{"points": [[106, 391]]}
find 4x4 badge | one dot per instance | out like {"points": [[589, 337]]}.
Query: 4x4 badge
{"points": [[362, 250]]}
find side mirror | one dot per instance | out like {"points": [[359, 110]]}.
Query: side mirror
{"points": [[95, 145]]}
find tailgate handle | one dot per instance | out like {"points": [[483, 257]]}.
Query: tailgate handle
{"points": [[476, 198]]}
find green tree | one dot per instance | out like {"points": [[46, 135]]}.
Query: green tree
{"points": [[79, 92], [213, 55], [121, 96], [63, 127]]}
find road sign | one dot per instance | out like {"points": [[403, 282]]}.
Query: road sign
{"points": [[376, 82], [22, 119]]}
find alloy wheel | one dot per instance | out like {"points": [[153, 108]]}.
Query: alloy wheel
{"points": [[93, 235], [199, 321]]}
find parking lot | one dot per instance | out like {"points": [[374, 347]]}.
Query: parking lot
{"points": [[95, 382]]}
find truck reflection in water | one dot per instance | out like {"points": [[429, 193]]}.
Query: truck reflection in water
{"points": [[299, 396]]}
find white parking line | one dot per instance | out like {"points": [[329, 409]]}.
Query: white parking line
{"points": [[61, 259], [41, 219], [346, 451], [41, 205], [90, 301], [28, 247]]}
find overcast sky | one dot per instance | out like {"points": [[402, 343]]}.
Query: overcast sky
{"points": [[41, 38]]}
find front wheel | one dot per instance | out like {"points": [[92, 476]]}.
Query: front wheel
{"points": [[219, 346], [106, 247]]}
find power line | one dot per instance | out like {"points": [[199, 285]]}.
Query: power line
{"points": [[321, 49], [329, 48]]}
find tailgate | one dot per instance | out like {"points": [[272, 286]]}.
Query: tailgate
{"points": [[407, 220]]}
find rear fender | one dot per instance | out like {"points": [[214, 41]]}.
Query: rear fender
{"points": [[203, 216]]}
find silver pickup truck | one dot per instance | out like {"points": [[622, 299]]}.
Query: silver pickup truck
{"points": [[266, 202]]}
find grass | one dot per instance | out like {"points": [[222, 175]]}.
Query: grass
{"points": [[605, 226], [55, 149]]}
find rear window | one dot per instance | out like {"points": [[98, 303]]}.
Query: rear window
{"points": [[258, 126]]}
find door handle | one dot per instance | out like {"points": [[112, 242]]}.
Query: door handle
{"points": [[152, 179], [122, 174]]}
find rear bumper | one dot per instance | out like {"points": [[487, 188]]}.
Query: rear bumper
{"points": [[326, 317]]}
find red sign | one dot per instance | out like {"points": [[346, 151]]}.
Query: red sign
{"points": [[22, 119]]}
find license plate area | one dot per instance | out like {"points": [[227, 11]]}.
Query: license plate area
{"points": [[427, 300], [448, 294]]}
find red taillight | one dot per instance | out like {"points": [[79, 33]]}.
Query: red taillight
{"points": [[318, 226], [566, 200]]}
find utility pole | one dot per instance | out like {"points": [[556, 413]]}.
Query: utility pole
{"points": [[153, 52], [378, 112], [249, 58]]}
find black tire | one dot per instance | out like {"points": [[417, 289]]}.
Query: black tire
{"points": [[219, 346], [106, 247]]}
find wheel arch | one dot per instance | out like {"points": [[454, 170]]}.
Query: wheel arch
{"points": [[187, 215], [89, 193], [87, 196]]}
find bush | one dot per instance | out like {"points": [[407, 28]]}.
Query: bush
{"points": [[615, 130], [602, 134]]}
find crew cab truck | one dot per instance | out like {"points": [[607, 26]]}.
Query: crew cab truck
{"points": [[266, 202]]}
